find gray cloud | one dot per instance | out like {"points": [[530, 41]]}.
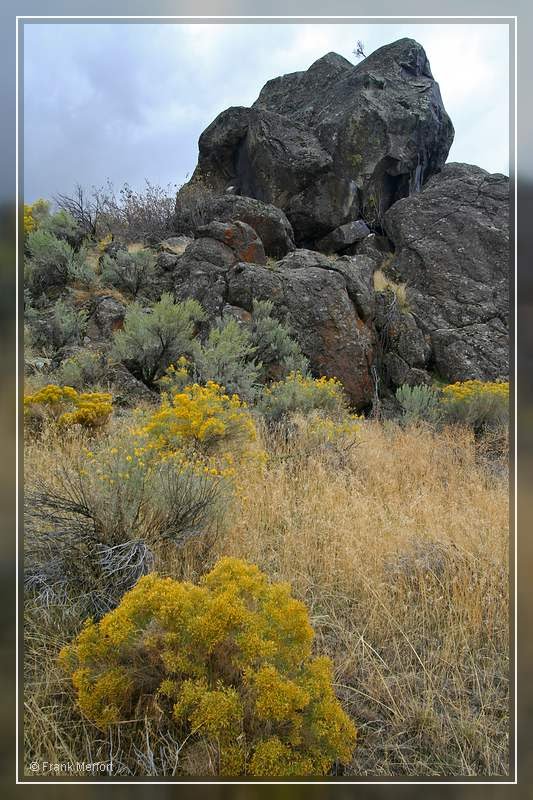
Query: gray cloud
{"points": [[127, 102]]}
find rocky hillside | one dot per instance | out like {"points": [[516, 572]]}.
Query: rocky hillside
{"points": [[330, 196]]}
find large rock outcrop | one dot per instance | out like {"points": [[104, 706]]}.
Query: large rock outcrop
{"points": [[334, 143], [325, 302], [412, 272], [452, 251]]}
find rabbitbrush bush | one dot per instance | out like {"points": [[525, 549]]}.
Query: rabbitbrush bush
{"points": [[67, 407], [227, 663], [477, 404], [301, 393], [203, 418]]}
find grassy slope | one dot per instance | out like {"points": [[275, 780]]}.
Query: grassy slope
{"points": [[399, 548]]}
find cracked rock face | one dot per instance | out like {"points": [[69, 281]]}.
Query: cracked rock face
{"points": [[452, 251], [333, 143]]}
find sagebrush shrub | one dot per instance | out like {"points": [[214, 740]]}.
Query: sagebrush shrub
{"points": [[86, 368], [227, 358], [67, 407], [477, 404], [128, 272], [419, 403], [150, 341], [301, 393], [227, 662], [241, 357], [94, 526], [276, 352], [53, 262], [63, 326], [63, 226], [49, 261]]}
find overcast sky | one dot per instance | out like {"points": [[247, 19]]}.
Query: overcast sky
{"points": [[128, 102]]}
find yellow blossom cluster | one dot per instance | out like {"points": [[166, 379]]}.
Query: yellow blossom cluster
{"points": [[302, 393], [67, 407], [104, 242], [29, 221], [203, 418], [176, 377], [465, 390], [477, 404], [227, 661], [324, 429]]}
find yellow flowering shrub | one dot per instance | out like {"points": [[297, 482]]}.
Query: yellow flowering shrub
{"points": [[203, 418], [227, 662], [478, 404], [103, 243], [34, 214], [302, 393], [67, 407], [176, 377], [29, 222]]}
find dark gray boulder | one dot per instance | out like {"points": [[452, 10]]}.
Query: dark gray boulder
{"points": [[343, 237], [263, 154], [332, 143], [302, 258], [241, 238], [201, 270], [106, 316], [403, 350], [452, 250], [270, 223], [315, 303], [374, 246], [167, 262]]}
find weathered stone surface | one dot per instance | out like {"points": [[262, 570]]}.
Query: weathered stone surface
{"points": [[302, 258], [128, 391], [403, 350], [167, 261], [204, 281], [107, 317], [373, 246], [333, 143], [270, 223], [358, 272], [240, 316], [241, 238], [263, 154], [315, 303], [342, 237], [452, 251], [398, 372]]}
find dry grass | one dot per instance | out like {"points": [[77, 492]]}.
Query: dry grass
{"points": [[402, 560], [399, 547], [384, 284]]}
